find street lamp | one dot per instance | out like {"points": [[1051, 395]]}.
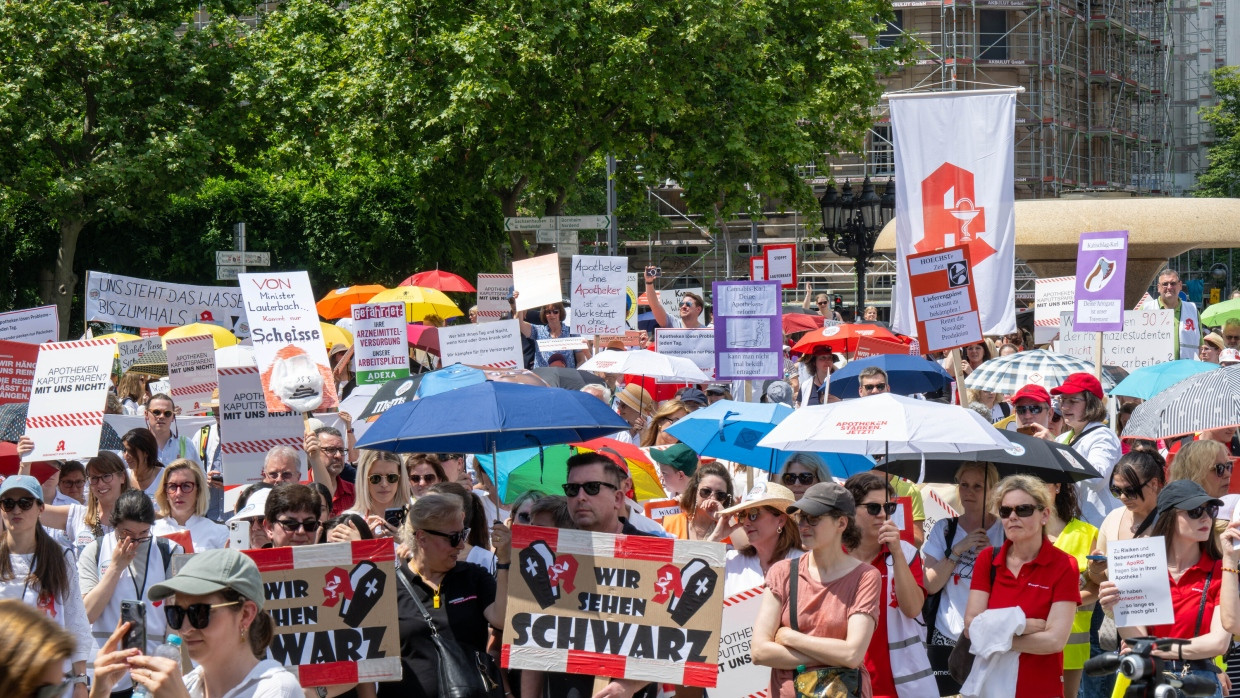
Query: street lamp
{"points": [[852, 224]]}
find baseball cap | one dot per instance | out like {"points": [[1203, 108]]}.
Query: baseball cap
{"points": [[1229, 356], [693, 395], [1032, 392], [823, 497], [1080, 383], [557, 357], [764, 494], [678, 456], [716, 390], [22, 483], [255, 506], [637, 398], [1215, 339], [1183, 495], [212, 571]]}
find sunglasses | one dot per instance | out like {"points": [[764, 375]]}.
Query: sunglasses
{"points": [[199, 614], [718, 495], [523, 517], [552, 311], [1232, 337], [872, 508], [572, 489], [877, 386], [96, 479], [791, 479], [1222, 469], [292, 525], [1197, 513], [1029, 409], [160, 413], [392, 478], [10, 504], [186, 487], [806, 520], [1129, 492], [280, 476], [688, 304], [1024, 511], [429, 479], [454, 539]]}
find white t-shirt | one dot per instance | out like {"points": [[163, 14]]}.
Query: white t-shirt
{"points": [[741, 573], [483, 558], [206, 534], [69, 612], [76, 530], [956, 592], [267, 679]]}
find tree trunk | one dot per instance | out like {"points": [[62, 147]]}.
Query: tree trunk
{"points": [[63, 280]]}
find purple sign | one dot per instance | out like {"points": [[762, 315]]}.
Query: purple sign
{"points": [[1101, 263], [748, 330]]}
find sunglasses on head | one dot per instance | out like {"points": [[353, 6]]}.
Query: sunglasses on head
{"points": [[1029, 409], [392, 478], [292, 526], [1198, 512], [454, 539], [791, 479], [199, 614], [10, 504], [160, 413], [1024, 511], [1222, 469], [429, 478], [572, 489], [872, 508], [1129, 492], [720, 496]]}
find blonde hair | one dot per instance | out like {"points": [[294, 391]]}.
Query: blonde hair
{"points": [[989, 472], [29, 644], [1028, 484], [362, 491], [1195, 461], [430, 511], [104, 463], [666, 410], [162, 507]]}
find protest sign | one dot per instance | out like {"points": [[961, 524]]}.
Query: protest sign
{"points": [[493, 293], [131, 351], [1052, 296], [191, 371], [125, 300], [944, 305], [71, 381], [536, 281], [562, 344], [671, 298], [1139, 569], [873, 346], [17, 362], [598, 294], [380, 342], [748, 330], [780, 264], [657, 509], [247, 429], [757, 269], [288, 341], [696, 345], [630, 301], [160, 386], [493, 345], [628, 340], [739, 677], [1148, 339], [632, 607], [1101, 261], [32, 325]]}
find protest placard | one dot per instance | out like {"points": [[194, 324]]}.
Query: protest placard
{"points": [[133, 350], [288, 341], [873, 346], [696, 345], [247, 429], [757, 269], [780, 264], [632, 607], [1148, 339], [156, 387], [191, 371], [380, 342], [1139, 569], [1052, 296], [658, 509], [71, 381], [133, 302], [556, 344], [493, 293], [630, 300], [17, 362], [748, 330], [739, 677], [537, 281], [628, 340], [493, 345], [598, 294], [31, 325], [1101, 261], [671, 298], [944, 305]]}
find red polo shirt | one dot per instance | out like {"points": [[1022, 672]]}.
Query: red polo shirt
{"points": [[1186, 600], [1049, 578], [344, 498]]}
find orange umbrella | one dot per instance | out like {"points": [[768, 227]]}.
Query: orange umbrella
{"points": [[839, 338], [339, 302]]}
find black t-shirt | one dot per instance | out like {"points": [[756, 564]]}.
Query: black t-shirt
{"points": [[464, 594]]}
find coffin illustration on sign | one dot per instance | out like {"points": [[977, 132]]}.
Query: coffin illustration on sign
{"points": [[697, 581], [544, 573], [367, 581], [1103, 272]]}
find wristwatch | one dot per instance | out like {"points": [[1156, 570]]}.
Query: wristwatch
{"points": [[80, 678]]}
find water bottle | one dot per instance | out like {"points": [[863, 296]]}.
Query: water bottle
{"points": [[171, 649]]}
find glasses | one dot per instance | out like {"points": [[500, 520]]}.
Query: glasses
{"points": [[199, 614], [334, 451], [1169, 284], [552, 311], [1222, 469], [281, 476], [806, 520], [822, 302], [1024, 511], [429, 478], [872, 508], [454, 539], [105, 478], [1029, 409], [51, 690], [718, 495], [392, 478], [523, 517], [791, 479], [1232, 337], [24, 503], [874, 387], [1129, 492], [688, 304], [160, 413], [186, 487], [572, 489], [1197, 513], [73, 484], [293, 525]]}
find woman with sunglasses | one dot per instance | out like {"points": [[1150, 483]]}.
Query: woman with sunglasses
{"points": [[215, 603], [382, 484], [708, 492], [896, 657], [521, 507], [181, 503], [1136, 481], [802, 470], [1077, 538], [141, 454], [838, 597], [551, 326], [1206, 463], [33, 651], [459, 597], [477, 548], [1185, 519], [424, 470], [771, 536], [1033, 575], [35, 570]]}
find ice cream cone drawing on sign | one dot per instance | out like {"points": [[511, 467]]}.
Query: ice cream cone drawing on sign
{"points": [[1100, 275], [295, 381]]}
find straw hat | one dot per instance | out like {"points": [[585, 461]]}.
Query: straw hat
{"points": [[764, 494], [637, 398]]}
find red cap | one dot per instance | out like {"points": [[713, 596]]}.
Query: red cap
{"points": [[1080, 383], [1033, 392]]}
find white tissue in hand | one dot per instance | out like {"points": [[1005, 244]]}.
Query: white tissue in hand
{"points": [[296, 380]]}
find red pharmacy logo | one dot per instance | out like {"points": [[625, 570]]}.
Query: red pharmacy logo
{"points": [[950, 213]]}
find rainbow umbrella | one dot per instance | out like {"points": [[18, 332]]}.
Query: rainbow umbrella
{"points": [[546, 470]]}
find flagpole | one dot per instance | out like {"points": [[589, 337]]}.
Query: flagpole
{"points": [[953, 93]]}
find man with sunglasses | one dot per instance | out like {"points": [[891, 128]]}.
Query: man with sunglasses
{"points": [[161, 420], [872, 381], [1031, 412], [1188, 338], [691, 307], [291, 516], [1231, 333]]}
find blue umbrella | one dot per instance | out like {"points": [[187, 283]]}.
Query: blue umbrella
{"points": [[730, 430], [449, 378], [1148, 381], [905, 374]]}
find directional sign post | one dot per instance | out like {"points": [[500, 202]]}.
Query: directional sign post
{"points": [[229, 263], [557, 223]]}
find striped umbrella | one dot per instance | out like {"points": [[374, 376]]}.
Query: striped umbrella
{"points": [[1209, 400], [1007, 374]]}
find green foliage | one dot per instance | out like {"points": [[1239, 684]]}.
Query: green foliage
{"points": [[1222, 175]]}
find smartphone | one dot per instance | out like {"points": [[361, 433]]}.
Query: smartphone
{"points": [[1096, 558], [239, 534], [134, 612], [654, 271], [395, 516], [217, 477]]}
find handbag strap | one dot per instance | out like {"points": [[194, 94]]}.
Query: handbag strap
{"points": [[792, 594], [404, 579], [1201, 609]]}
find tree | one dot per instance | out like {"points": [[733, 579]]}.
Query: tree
{"points": [[1222, 175], [106, 109]]}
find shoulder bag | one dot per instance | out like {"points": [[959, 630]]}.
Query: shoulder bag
{"points": [[827, 682], [463, 672]]}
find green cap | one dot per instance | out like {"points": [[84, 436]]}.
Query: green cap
{"points": [[212, 571], [678, 456]]}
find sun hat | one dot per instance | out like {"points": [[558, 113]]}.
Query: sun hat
{"points": [[763, 494], [637, 398]]}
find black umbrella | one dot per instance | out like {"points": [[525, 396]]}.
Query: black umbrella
{"points": [[391, 394], [567, 378], [13, 425], [1028, 455]]}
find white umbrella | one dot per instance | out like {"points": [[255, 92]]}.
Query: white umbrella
{"points": [[235, 356], [643, 362]]}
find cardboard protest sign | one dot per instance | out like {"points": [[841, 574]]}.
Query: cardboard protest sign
{"points": [[17, 362], [633, 607], [658, 509], [757, 269], [780, 264], [32, 325], [288, 342], [1148, 339], [1139, 569], [133, 302], [556, 344], [873, 346], [944, 304], [1052, 296], [598, 294], [71, 381], [1101, 263], [380, 342], [630, 301], [493, 345], [247, 429], [696, 345], [131, 351], [537, 281], [191, 370], [628, 340], [493, 293], [748, 332], [739, 677]]}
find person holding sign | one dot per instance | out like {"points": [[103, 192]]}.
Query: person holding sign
{"points": [[382, 484], [552, 326], [1188, 338], [692, 306]]}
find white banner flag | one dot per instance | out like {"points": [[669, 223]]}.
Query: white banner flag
{"points": [[954, 163]]}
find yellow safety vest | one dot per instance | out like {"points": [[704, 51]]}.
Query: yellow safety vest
{"points": [[1077, 539]]}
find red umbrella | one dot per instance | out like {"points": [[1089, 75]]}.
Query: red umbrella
{"points": [[424, 337], [801, 322], [840, 338], [440, 281], [10, 462]]}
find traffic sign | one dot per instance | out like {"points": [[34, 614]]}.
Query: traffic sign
{"points": [[247, 258], [582, 222], [529, 223], [551, 223], [228, 272]]}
